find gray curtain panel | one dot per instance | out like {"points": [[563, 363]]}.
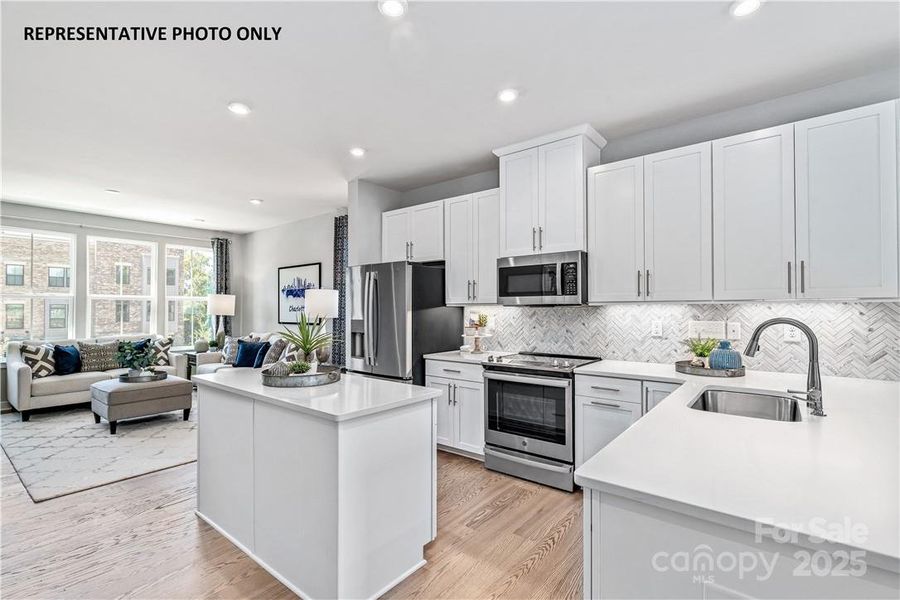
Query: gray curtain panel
{"points": [[222, 266], [341, 258]]}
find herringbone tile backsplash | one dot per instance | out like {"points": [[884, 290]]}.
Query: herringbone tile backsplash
{"points": [[856, 339]]}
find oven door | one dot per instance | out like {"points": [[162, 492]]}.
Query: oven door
{"points": [[529, 414], [527, 284]]}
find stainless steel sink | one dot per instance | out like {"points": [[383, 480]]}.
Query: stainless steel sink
{"points": [[757, 405]]}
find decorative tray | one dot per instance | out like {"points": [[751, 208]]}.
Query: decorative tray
{"points": [[324, 375], [159, 376], [684, 366]]}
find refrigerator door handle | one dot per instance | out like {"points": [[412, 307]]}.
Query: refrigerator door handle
{"points": [[367, 330], [376, 318]]}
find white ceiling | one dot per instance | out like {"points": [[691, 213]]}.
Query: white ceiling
{"points": [[149, 119]]}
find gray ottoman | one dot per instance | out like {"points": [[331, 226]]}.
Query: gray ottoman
{"points": [[114, 400]]}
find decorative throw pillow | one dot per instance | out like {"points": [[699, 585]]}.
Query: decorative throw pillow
{"points": [[139, 346], [98, 357], [294, 354], [39, 358], [67, 359], [230, 347], [275, 351], [160, 351], [248, 353]]}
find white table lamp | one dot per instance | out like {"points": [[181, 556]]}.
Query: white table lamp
{"points": [[321, 304], [221, 305]]}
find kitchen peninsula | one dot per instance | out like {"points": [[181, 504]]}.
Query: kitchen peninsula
{"points": [[331, 489]]}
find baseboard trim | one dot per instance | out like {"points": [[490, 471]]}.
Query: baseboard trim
{"points": [[458, 452]]}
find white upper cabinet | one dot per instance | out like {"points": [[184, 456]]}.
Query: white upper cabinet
{"points": [[846, 170], [486, 221], [519, 203], [471, 223], [395, 235], [542, 192], [753, 210], [678, 224], [415, 233], [616, 231]]}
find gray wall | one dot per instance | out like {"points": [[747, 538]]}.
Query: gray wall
{"points": [[365, 203], [877, 87], [305, 241], [478, 182]]}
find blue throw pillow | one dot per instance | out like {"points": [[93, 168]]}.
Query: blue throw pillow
{"points": [[261, 355], [248, 352], [67, 359]]}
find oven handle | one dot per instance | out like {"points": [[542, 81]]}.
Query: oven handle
{"points": [[526, 462], [550, 381]]}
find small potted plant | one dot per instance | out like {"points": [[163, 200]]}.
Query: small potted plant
{"points": [[309, 337], [136, 357], [700, 348]]}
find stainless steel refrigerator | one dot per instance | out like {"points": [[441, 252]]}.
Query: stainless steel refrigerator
{"points": [[397, 314]]}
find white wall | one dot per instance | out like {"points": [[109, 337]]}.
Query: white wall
{"points": [[365, 203], [301, 242], [82, 225], [478, 182], [876, 87]]}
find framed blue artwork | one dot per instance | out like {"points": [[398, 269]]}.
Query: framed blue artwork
{"points": [[293, 282]]}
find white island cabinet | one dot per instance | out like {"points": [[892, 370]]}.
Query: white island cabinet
{"points": [[331, 489]]}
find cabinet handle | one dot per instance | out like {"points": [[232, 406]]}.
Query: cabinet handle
{"points": [[605, 389], [789, 277], [609, 404], [646, 399], [469, 289], [451, 371], [533, 243], [454, 394], [802, 276], [639, 283], [449, 399], [540, 238], [647, 293], [410, 250], [474, 289]]}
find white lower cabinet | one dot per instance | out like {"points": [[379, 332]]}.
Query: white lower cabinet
{"points": [[607, 406], [460, 408]]}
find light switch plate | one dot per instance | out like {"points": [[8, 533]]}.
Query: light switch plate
{"points": [[706, 329], [734, 330], [656, 329], [791, 334]]}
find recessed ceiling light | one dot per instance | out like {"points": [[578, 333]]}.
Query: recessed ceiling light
{"points": [[256, 201], [742, 8], [200, 220], [508, 95], [111, 191], [358, 152], [239, 108], [392, 8]]}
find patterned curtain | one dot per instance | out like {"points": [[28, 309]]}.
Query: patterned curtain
{"points": [[339, 325], [222, 267]]}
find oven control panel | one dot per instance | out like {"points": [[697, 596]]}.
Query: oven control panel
{"points": [[569, 279]]}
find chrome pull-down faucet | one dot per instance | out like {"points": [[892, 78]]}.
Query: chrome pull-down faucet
{"points": [[813, 393]]}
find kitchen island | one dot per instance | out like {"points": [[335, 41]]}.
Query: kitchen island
{"points": [[331, 489], [694, 504]]}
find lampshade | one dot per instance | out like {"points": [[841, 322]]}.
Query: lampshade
{"points": [[321, 304], [221, 305]]}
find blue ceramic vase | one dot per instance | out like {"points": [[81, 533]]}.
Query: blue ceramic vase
{"points": [[724, 357]]}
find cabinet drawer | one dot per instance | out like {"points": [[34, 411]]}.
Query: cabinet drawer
{"points": [[609, 388], [454, 370]]}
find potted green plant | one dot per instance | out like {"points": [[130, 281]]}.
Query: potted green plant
{"points": [[309, 337], [700, 348], [136, 358]]}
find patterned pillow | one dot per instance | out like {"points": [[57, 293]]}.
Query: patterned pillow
{"points": [[40, 359], [98, 357], [294, 354], [159, 351], [230, 347], [275, 351]]}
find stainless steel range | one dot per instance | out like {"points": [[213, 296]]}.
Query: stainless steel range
{"points": [[529, 410]]}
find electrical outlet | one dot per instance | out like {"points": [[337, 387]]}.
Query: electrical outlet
{"points": [[791, 334], [656, 329], [734, 330], [706, 329]]}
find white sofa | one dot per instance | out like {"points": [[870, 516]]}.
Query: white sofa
{"points": [[26, 393], [210, 362]]}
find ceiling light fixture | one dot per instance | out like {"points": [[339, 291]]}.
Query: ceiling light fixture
{"points": [[742, 8], [358, 152], [256, 201], [200, 220], [239, 108], [508, 95], [392, 8], [112, 191]]}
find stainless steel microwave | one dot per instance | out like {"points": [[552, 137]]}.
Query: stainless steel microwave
{"points": [[542, 279]]}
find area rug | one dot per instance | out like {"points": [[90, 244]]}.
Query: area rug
{"points": [[63, 452]]}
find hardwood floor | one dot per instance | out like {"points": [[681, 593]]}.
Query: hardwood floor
{"points": [[498, 537]]}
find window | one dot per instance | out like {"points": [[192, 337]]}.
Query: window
{"points": [[15, 274], [15, 316], [121, 286], [58, 317], [58, 277], [34, 262], [186, 293], [123, 274]]}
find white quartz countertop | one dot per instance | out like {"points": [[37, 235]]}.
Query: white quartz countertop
{"points": [[464, 357], [841, 468], [352, 397]]}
